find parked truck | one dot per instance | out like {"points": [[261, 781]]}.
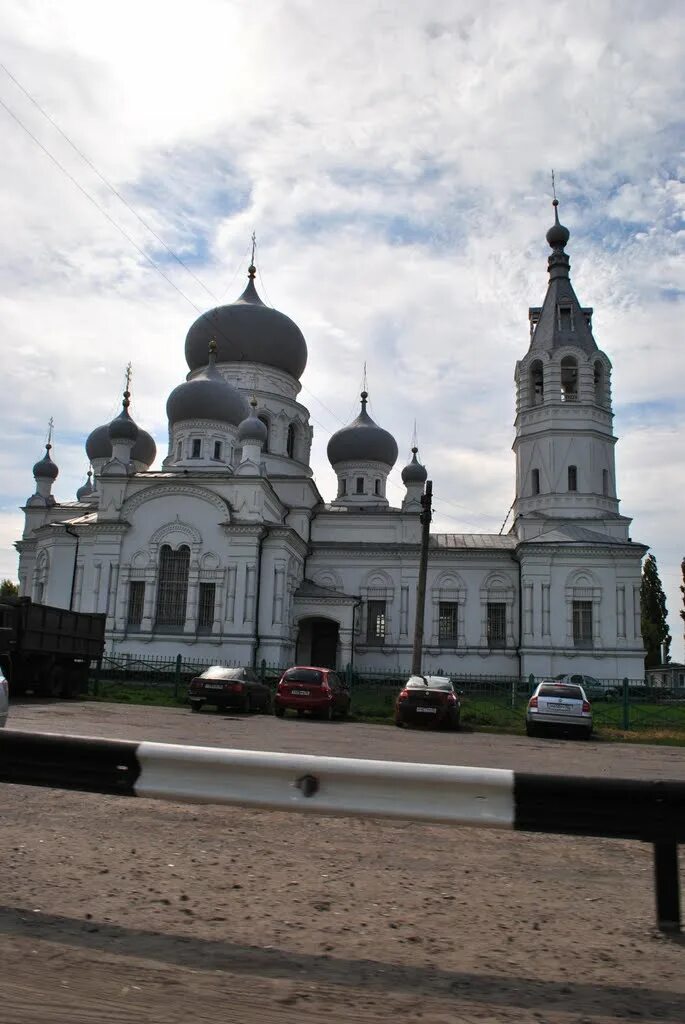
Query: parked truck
{"points": [[48, 651]]}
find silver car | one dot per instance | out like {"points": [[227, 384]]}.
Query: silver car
{"points": [[562, 706], [4, 700]]}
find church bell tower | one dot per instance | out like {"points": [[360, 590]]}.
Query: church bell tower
{"points": [[564, 444]]}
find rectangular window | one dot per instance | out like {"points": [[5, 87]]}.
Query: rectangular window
{"points": [[572, 478], [179, 451], [360, 485], [343, 486], [447, 623], [605, 483], [497, 624], [377, 487], [196, 451], [582, 623], [536, 481], [375, 627], [205, 607], [136, 600], [217, 449]]}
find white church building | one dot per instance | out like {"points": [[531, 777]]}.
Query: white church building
{"points": [[229, 552]]}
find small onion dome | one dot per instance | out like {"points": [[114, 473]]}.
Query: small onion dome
{"points": [[362, 441], [248, 331], [45, 469], [558, 235], [99, 446], [207, 396], [85, 491], [252, 428], [122, 428], [414, 472]]}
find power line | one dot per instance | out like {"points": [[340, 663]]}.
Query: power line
{"points": [[102, 178]]}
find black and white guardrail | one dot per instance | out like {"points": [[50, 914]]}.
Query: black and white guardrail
{"points": [[652, 812]]}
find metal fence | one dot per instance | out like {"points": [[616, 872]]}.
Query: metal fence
{"points": [[492, 702]]}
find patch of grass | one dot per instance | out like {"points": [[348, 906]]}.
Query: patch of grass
{"points": [[127, 693]]}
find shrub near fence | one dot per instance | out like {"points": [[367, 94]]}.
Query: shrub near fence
{"points": [[491, 702]]}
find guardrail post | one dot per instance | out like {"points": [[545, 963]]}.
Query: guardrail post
{"points": [[626, 705], [177, 676], [667, 885]]}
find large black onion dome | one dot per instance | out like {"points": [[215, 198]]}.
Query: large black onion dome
{"points": [[45, 468], [122, 427], [252, 428], [414, 472], [99, 446], [207, 397], [362, 441], [558, 235], [248, 331]]}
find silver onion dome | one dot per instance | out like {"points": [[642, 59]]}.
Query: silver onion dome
{"points": [[362, 441]]}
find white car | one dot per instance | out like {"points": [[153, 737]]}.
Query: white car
{"points": [[561, 706], [4, 700]]}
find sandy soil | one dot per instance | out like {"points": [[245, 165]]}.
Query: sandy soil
{"points": [[133, 910]]}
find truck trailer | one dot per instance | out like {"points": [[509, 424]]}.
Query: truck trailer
{"points": [[48, 651]]}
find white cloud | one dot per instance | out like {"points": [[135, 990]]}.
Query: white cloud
{"points": [[395, 165]]}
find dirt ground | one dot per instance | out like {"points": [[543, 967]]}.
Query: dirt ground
{"points": [[118, 910]]}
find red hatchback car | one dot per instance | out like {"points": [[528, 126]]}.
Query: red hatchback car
{"points": [[321, 691]]}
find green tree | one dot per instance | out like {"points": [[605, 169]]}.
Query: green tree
{"points": [[654, 616], [9, 589]]}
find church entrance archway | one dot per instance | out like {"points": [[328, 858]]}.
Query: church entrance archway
{"points": [[317, 642]]}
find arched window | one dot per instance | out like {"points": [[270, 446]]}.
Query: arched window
{"points": [[290, 441], [572, 478], [537, 383], [535, 481], [569, 379], [600, 383], [172, 588], [265, 443]]}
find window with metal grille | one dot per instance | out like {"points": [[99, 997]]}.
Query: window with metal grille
{"points": [[172, 588], [447, 623], [572, 478], [205, 609], [497, 624], [582, 623], [136, 599], [196, 450], [375, 627]]}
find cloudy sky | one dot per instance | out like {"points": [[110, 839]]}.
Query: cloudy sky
{"points": [[394, 160]]}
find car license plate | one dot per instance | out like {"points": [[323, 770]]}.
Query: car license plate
{"points": [[564, 708], [427, 711], [214, 686], [300, 693]]}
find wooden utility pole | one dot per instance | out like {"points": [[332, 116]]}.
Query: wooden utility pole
{"points": [[425, 520]]}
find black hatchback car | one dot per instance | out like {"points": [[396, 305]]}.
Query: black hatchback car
{"points": [[240, 689], [428, 700]]}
